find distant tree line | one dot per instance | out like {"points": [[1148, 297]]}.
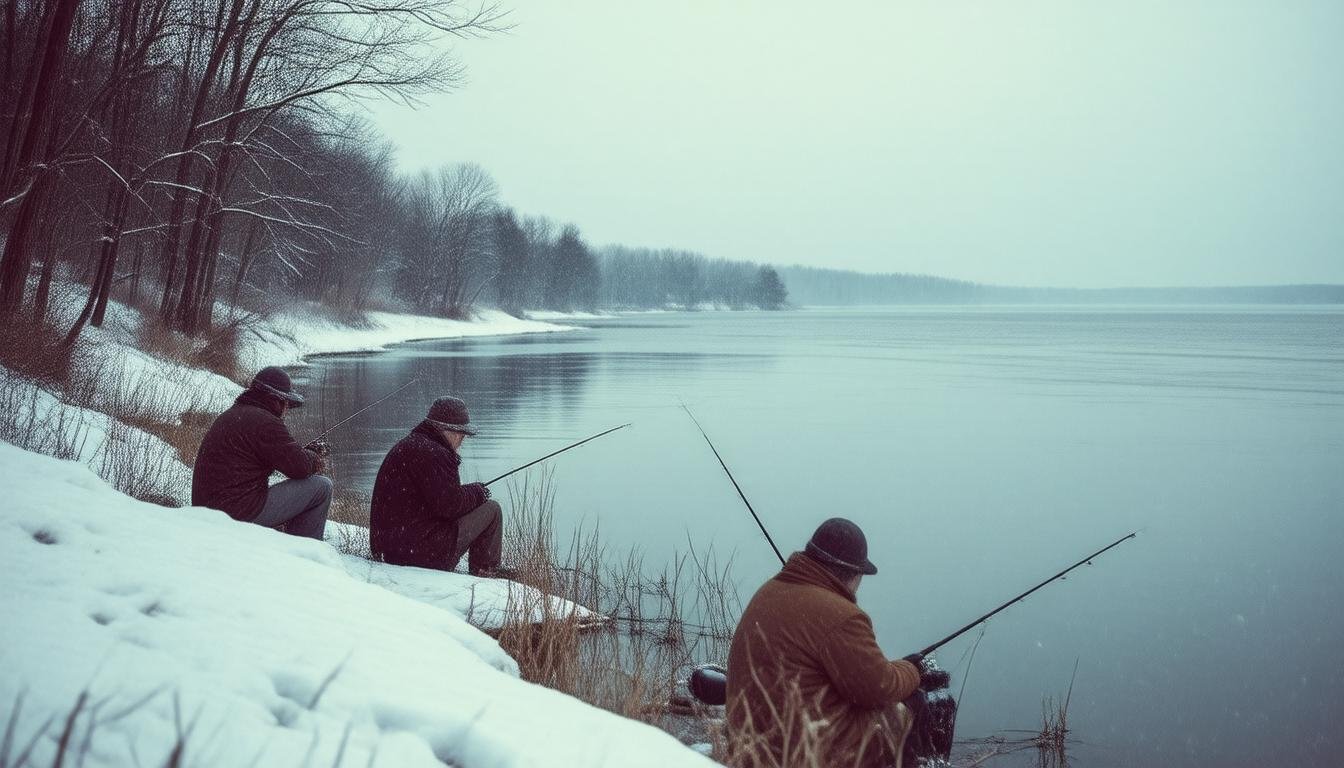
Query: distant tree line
{"points": [[832, 287], [814, 286], [640, 278]]}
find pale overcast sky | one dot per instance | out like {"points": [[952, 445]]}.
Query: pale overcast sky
{"points": [[1046, 143]]}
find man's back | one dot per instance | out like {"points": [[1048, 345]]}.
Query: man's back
{"points": [[243, 446], [417, 500], [804, 653]]}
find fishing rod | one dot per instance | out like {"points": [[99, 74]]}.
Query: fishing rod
{"points": [[351, 417], [1085, 561], [735, 485], [553, 453]]}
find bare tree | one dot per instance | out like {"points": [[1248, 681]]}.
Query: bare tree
{"points": [[448, 244]]}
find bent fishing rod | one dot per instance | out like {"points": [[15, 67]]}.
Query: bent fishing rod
{"points": [[352, 416], [755, 516], [554, 453], [1085, 561]]}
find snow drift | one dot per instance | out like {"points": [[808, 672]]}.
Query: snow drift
{"points": [[150, 629]]}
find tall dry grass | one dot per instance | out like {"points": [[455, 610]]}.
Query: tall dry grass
{"points": [[29, 421], [33, 350], [654, 626], [54, 397]]}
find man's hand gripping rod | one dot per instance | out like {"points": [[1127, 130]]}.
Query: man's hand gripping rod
{"points": [[317, 444]]}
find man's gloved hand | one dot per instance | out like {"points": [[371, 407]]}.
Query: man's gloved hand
{"points": [[482, 493], [931, 678], [321, 464]]}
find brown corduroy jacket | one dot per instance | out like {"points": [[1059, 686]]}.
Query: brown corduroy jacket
{"points": [[806, 679]]}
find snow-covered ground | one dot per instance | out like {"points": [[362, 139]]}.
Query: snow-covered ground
{"points": [[286, 339], [89, 436], [149, 629], [487, 604]]}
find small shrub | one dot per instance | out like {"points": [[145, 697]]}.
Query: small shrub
{"points": [[220, 349], [350, 505], [34, 350], [217, 350], [134, 462], [36, 421]]}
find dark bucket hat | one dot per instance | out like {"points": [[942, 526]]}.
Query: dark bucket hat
{"points": [[275, 382], [451, 413], [840, 542]]}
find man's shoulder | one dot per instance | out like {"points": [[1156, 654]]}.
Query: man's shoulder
{"points": [[241, 417], [818, 602], [416, 444], [249, 412]]}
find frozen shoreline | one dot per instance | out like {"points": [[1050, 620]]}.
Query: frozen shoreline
{"points": [[288, 339]]}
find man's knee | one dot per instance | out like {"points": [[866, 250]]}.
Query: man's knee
{"points": [[321, 485], [491, 507]]}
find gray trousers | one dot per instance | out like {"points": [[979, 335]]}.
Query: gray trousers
{"points": [[298, 507], [480, 536]]}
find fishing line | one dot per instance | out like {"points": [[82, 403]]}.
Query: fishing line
{"points": [[729, 472]]}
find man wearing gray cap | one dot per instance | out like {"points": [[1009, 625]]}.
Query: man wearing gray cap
{"points": [[245, 446], [422, 514]]}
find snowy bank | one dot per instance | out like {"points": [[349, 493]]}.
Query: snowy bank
{"points": [[488, 604], [126, 456], [287, 339], [149, 630]]}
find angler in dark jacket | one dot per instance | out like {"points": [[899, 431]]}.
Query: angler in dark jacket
{"points": [[422, 514], [247, 444]]}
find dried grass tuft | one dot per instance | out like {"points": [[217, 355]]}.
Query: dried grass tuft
{"points": [[653, 628]]}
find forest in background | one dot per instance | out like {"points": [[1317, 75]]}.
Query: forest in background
{"points": [[188, 155]]}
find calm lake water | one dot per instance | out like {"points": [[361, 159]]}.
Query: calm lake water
{"points": [[981, 450]]}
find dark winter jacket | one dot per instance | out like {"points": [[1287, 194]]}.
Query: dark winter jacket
{"points": [[245, 445], [417, 501], [803, 659]]}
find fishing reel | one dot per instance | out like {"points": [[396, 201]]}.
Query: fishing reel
{"points": [[708, 683], [935, 711], [319, 446]]}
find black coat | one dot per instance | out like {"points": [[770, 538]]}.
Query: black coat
{"points": [[245, 445], [417, 500]]}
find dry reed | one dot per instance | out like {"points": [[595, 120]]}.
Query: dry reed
{"points": [[653, 628]]}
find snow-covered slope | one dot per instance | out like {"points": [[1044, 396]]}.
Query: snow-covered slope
{"points": [[251, 647], [285, 339], [486, 603]]}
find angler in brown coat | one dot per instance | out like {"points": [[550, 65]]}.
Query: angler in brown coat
{"points": [[245, 446], [807, 683]]}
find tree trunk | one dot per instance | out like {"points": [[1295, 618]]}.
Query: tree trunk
{"points": [[167, 303], [244, 263], [138, 264], [43, 297], [17, 257], [110, 250]]}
